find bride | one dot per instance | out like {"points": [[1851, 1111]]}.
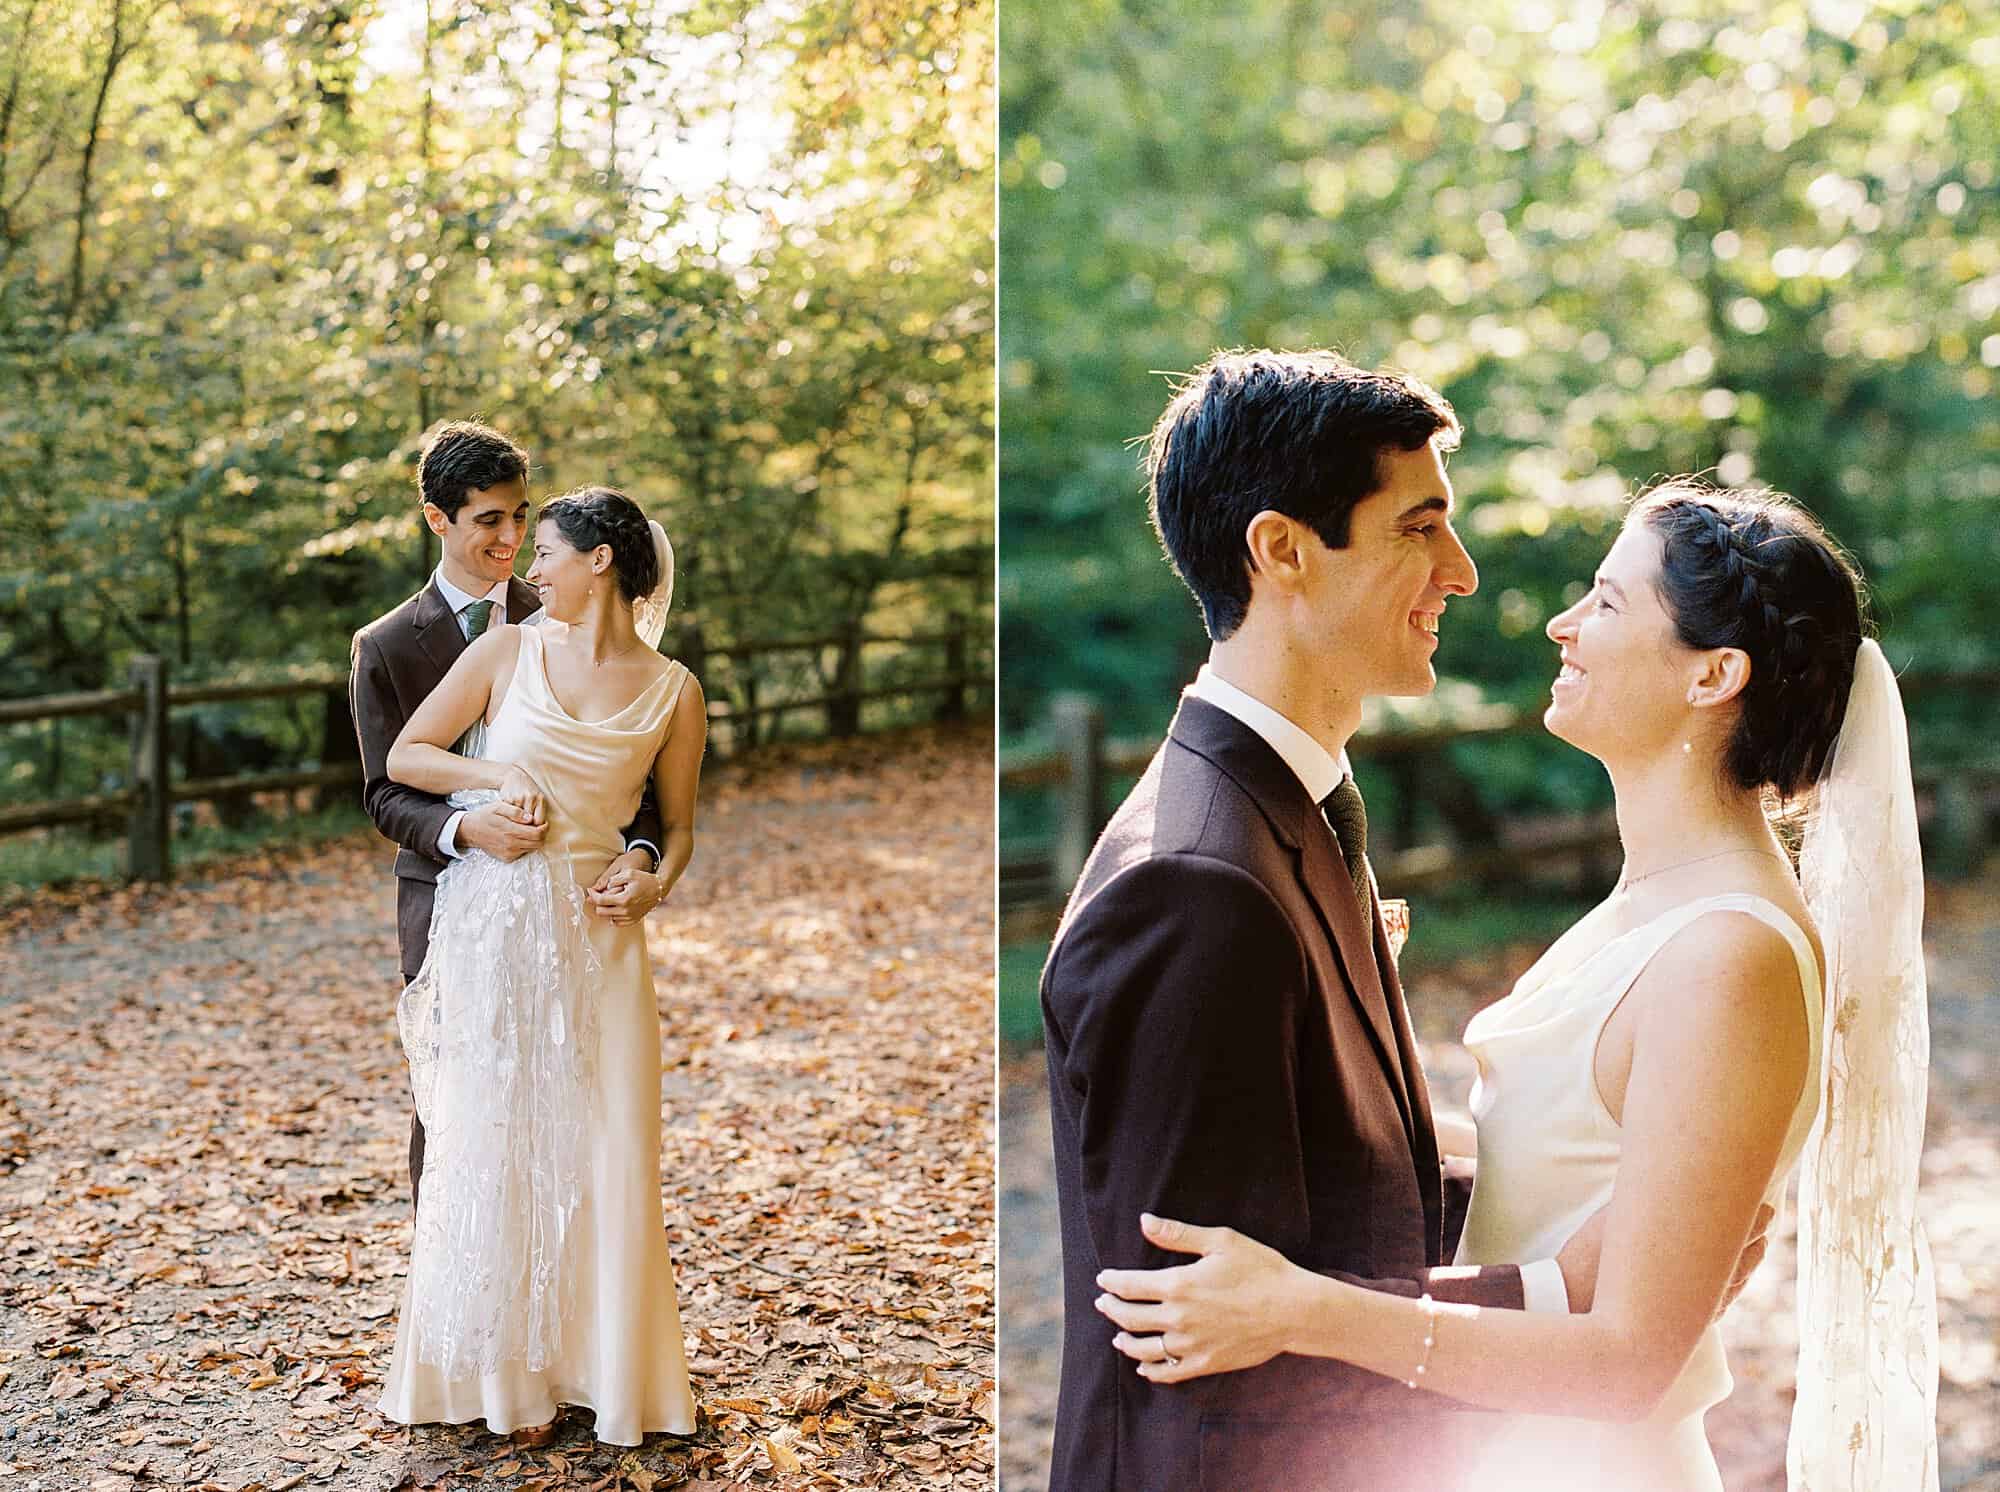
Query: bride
{"points": [[539, 1274], [1666, 1060]]}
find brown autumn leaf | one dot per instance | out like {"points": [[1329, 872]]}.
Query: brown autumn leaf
{"points": [[782, 1460], [212, 1112]]}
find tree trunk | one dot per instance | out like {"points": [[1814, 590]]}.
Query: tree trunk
{"points": [[426, 323], [182, 604], [338, 744], [7, 106], [113, 57]]}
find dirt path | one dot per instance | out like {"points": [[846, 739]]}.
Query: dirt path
{"points": [[1961, 1199], [204, 1112]]}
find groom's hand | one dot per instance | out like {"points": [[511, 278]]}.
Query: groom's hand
{"points": [[501, 830], [627, 890], [1749, 1259]]}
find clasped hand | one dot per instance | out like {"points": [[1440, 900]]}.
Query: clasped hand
{"points": [[511, 826], [626, 891]]}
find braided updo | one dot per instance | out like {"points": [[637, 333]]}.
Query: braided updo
{"points": [[590, 516], [1755, 571]]}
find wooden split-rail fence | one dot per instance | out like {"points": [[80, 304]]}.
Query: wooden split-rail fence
{"points": [[958, 683], [1081, 767]]}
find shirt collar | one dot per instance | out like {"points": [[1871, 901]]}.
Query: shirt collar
{"points": [[1317, 769], [458, 600]]}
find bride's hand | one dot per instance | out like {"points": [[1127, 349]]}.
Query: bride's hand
{"points": [[521, 790], [1232, 1308]]}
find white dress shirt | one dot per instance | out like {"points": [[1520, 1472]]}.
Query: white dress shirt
{"points": [[1320, 772], [1317, 768], [459, 600]]}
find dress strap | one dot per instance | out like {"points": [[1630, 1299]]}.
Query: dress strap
{"points": [[1764, 910], [668, 686], [529, 667]]}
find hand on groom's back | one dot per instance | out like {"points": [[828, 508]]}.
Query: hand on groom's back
{"points": [[498, 829]]}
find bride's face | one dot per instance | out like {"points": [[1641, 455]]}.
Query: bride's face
{"points": [[1623, 686], [563, 575]]}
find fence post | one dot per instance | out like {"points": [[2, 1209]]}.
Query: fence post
{"points": [[691, 648], [146, 852], [1079, 730], [843, 710], [339, 745], [951, 705], [1955, 846]]}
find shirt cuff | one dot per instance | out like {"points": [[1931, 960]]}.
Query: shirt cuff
{"points": [[648, 846], [448, 836], [1542, 1288]]}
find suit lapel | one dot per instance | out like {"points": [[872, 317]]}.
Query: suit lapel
{"points": [[1423, 1128], [1332, 891], [1249, 760], [437, 631]]}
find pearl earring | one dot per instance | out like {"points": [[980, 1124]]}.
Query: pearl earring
{"points": [[1687, 748]]}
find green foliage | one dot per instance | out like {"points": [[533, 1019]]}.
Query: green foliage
{"points": [[1449, 928], [1020, 997], [736, 257], [1626, 240], [28, 863]]}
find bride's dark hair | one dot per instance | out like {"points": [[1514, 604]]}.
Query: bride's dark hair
{"points": [[1755, 571], [589, 516]]}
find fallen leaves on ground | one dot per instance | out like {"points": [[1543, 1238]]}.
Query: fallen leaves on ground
{"points": [[1961, 1178], [205, 1216]]}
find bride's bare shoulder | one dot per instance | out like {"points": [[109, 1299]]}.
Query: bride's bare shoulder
{"points": [[495, 648]]}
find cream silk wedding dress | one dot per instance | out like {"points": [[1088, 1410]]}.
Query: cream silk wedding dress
{"points": [[1548, 1154], [539, 1273]]}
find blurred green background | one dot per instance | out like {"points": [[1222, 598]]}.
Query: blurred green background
{"points": [[1756, 241], [734, 256]]}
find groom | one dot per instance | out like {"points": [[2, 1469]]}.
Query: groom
{"points": [[473, 483], [1226, 1036]]}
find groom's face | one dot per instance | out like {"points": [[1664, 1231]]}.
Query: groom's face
{"points": [[481, 542], [1380, 600]]}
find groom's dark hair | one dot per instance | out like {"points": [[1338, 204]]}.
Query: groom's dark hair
{"points": [[463, 457], [1298, 433]]}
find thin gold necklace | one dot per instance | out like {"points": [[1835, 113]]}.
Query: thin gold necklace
{"points": [[613, 658], [1626, 883]]}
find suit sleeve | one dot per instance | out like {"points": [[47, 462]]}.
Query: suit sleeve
{"points": [[412, 818], [1180, 989], [646, 823]]}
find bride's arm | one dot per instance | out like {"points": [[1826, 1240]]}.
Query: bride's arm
{"points": [[676, 776], [1718, 1061], [422, 756]]}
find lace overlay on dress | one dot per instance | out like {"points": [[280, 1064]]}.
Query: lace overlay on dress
{"points": [[500, 1033]]}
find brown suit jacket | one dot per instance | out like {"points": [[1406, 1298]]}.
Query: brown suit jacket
{"points": [[398, 659], [1228, 1044]]}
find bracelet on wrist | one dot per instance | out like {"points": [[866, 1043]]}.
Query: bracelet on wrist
{"points": [[1430, 1341]]}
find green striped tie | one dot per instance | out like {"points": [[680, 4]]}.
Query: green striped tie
{"points": [[477, 617], [1347, 816]]}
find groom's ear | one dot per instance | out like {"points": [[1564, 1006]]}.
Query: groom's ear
{"points": [[1720, 675], [1273, 541], [434, 517]]}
